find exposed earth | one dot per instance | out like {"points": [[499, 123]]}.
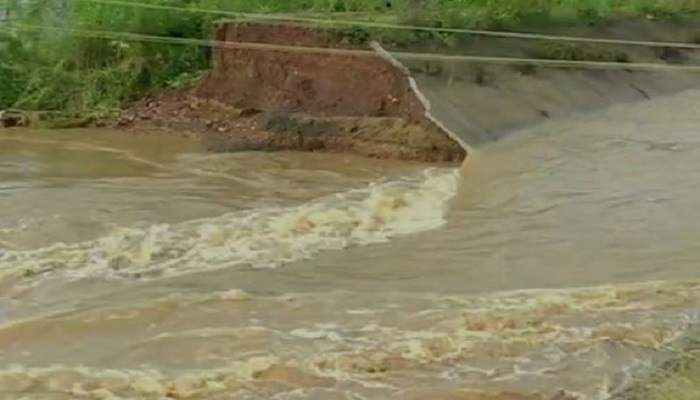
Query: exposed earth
{"points": [[264, 100]]}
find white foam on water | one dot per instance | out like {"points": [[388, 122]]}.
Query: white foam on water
{"points": [[528, 343], [258, 238]]}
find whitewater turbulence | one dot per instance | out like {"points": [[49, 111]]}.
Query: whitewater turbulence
{"points": [[256, 238]]}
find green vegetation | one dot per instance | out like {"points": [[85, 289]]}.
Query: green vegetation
{"points": [[50, 70], [57, 71], [677, 377], [682, 385]]}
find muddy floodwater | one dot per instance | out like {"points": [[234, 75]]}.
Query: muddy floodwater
{"points": [[142, 267]]}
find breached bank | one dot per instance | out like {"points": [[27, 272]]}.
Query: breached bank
{"points": [[383, 106], [269, 100]]}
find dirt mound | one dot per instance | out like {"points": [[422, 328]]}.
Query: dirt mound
{"points": [[268, 100]]}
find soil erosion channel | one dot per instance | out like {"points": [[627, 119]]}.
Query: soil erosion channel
{"points": [[144, 267]]}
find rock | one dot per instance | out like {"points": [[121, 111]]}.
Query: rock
{"points": [[249, 112], [9, 118]]}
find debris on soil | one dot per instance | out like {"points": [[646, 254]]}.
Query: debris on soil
{"points": [[224, 128]]}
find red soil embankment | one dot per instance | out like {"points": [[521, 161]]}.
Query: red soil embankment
{"points": [[267, 100], [327, 85]]}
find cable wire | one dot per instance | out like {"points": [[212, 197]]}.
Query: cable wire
{"points": [[127, 36], [381, 25]]}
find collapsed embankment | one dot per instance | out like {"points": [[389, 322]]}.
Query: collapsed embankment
{"points": [[267, 100]]}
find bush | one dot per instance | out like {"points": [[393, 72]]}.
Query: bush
{"points": [[83, 74], [46, 70]]}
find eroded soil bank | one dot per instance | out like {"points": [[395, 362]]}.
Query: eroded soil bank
{"points": [[266, 100]]}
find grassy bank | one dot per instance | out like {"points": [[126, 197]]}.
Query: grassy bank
{"points": [[674, 375], [684, 385], [680, 381], [46, 70]]}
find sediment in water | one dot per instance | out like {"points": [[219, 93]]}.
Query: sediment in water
{"points": [[389, 107]]}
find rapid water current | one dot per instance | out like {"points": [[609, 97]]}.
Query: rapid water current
{"points": [[142, 267]]}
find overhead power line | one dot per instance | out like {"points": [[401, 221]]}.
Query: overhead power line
{"points": [[127, 36], [382, 25]]}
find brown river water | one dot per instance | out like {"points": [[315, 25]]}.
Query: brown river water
{"points": [[141, 267]]}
